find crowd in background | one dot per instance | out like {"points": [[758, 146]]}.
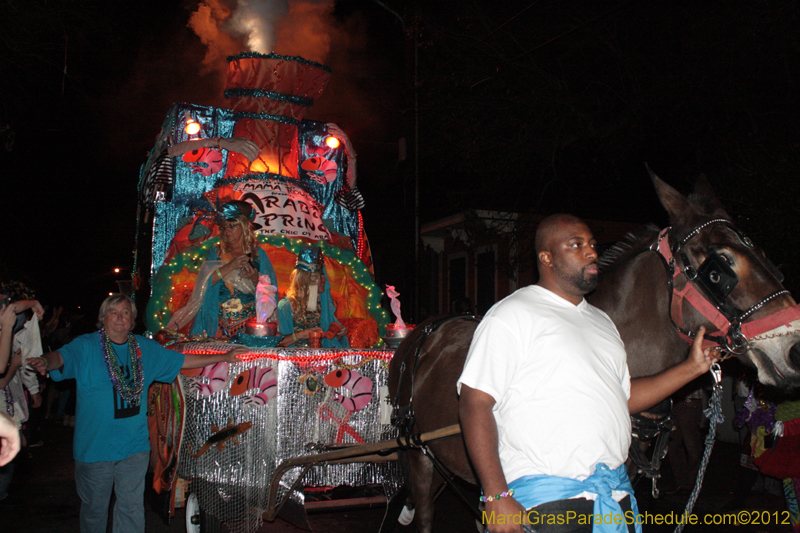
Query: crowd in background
{"points": [[28, 401]]}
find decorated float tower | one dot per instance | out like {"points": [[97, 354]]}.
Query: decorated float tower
{"points": [[294, 181], [301, 186]]}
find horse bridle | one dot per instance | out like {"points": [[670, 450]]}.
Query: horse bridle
{"points": [[716, 279]]}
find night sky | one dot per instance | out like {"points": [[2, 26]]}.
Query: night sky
{"points": [[524, 105]]}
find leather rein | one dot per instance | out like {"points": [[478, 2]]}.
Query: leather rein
{"points": [[733, 332]]}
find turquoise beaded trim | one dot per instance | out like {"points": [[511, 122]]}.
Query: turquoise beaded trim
{"points": [[259, 177], [266, 116], [297, 100], [278, 56], [258, 342]]}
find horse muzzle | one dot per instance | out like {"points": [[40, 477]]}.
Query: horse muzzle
{"points": [[777, 358]]}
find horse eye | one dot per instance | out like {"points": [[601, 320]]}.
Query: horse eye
{"points": [[727, 259]]}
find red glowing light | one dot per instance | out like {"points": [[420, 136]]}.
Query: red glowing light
{"points": [[332, 142]]}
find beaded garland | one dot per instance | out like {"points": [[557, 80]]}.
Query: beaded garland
{"points": [[505, 494], [302, 357], [9, 401], [158, 312], [129, 390]]}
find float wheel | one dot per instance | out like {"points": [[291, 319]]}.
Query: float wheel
{"points": [[192, 514]]}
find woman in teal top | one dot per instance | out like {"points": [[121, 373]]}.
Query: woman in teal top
{"points": [[308, 305], [224, 295]]}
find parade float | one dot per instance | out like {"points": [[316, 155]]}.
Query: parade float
{"points": [[220, 433]]}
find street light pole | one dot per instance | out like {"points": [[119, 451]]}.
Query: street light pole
{"points": [[416, 158], [416, 183]]}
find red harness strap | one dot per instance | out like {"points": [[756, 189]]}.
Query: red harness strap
{"points": [[701, 304], [774, 320]]}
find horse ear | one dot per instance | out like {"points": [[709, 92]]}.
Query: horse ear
{"points": [[675, 203], [702, 187]]}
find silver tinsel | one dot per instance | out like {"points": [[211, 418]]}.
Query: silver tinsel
{"points": [[303, 416]]}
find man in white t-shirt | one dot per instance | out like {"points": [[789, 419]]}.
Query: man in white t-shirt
{"points": [[546, 396]]}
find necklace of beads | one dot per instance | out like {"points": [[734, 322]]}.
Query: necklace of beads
{"points": [[129, 390], [9, 401]]}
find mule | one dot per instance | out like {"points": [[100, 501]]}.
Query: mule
{"points": [[648, 285]]}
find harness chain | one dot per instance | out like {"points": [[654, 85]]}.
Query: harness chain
{"points": [[766, 336]]}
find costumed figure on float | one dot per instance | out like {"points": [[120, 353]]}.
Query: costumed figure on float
{"points": [[224, 295], [308, 307]]}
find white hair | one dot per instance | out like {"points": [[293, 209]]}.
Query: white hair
{"points": [[113, 301]]}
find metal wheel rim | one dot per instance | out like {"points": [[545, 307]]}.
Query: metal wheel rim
{"points": [[192, 510]]}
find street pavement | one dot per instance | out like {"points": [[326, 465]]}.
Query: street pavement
{"points": [[43, 500]]}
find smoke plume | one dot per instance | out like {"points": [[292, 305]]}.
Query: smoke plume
{"points": [[306, 31], [290, 27], [208, 22]]}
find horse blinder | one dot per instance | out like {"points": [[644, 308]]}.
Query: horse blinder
{"points": [[716, 278]]}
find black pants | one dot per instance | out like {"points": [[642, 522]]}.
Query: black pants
{"points": [[578, 506]]}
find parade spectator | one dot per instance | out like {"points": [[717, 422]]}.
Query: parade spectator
{"points": [[28, 340], [545, 355], [20, 337], [15, 410], [223, 298], [16, 309], [14, 383], [19, 384], [50, 326], [114, 369], [9, 439], [60, 402], [8, 317], [308, 305]]}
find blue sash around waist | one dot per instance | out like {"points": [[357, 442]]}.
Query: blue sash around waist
{"points": [[531, 491]]}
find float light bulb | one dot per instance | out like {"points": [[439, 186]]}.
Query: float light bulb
{"points": [[332, 142], [192, 128], [116, 270]]}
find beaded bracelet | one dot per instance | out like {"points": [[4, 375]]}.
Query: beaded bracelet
{"points": [[294, 336], [496, 496], [219, 273]]}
